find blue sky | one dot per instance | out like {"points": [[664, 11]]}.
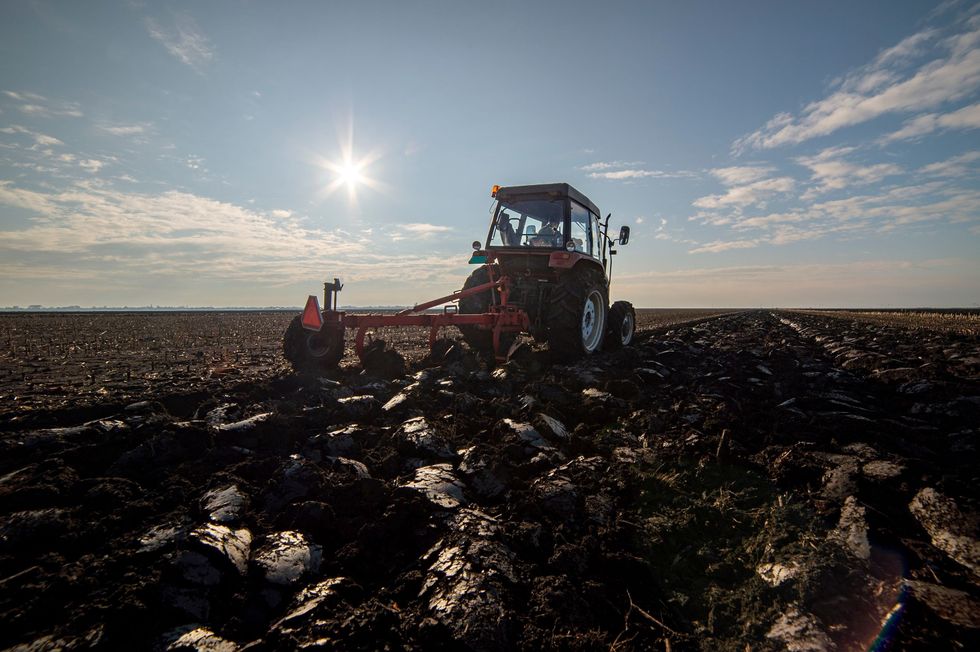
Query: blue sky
{"points": [[764, 153]]}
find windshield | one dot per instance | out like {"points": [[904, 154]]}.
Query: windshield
{"points": [[528, 223]]}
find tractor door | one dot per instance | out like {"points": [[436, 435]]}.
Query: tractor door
{"points": [[585, 230]]}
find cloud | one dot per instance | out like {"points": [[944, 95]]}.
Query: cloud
{"points": [[25, 96], [609, 165], [748, 194], [37, 105], [967, 117], [185, 42], [418, 231], [880, 87], [624, 174], [125, 130], [91, 165], [720, 245], [629, 170], [831, 172], [281, 213], [741, 174], [39, 138], [103, 233], [640, 174], [951, 167], [867, 214]]}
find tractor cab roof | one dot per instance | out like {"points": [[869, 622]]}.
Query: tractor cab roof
{"points": [[551, 190]]}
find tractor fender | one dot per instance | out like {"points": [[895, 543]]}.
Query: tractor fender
{"points": [[576, 261], [570, 259]]}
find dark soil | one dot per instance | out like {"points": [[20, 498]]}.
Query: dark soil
{"points": [[753, 481]]}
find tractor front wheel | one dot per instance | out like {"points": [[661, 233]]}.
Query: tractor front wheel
{"points": [[312, 351], [622, 325], [577, 315]]}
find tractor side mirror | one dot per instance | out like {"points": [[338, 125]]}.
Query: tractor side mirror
{"points": [[624, 235]]}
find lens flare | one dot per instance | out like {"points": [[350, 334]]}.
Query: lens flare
{"points": [[348, 170]]}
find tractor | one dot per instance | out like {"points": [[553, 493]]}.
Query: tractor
{"points": [[544, 270]]}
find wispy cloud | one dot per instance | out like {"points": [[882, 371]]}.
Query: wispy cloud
{"points": [[741, 174], [418, 231], [630, 170], [721, 245], [609, 165], [748, 194], [966, 118], [125, 129], [869, 213], [195, 162], [91, 164], [952, 167], [831, 172], [186, 42], [886, 85], [39, 106], [40, 139], [95, 230]]}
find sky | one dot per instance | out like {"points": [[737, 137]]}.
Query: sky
{"points": [[223, 153]]}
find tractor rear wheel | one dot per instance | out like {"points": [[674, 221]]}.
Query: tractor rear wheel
{"points": [[622, 325], [480, 339], [577, 315], [312, 351]]}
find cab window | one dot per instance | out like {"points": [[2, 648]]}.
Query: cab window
{"points": [[594, 233], [528, 223], [581, 229]]}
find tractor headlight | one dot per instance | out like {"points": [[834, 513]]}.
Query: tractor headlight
{"points": [[476, 245], [570, 246]]}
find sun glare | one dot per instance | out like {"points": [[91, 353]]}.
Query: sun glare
{"points": [[348, 171], [349, 174]]}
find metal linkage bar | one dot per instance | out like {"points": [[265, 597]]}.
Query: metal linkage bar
{"points": [[501, 318], [455, 296]]}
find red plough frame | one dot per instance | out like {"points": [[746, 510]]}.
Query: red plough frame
{"points": [[502, 318]]}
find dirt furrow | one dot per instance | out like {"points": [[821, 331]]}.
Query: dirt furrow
{"points": [[755, 478]]}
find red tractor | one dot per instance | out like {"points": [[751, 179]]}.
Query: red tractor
{"points": [[544, 270]]}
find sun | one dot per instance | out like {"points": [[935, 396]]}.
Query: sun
{"points": [[348, 171], [349, 174]]}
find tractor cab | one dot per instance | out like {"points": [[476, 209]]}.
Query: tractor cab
{"points": [[539, 218]]}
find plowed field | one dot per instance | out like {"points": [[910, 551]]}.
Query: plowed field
{"points": [[751, 480]]}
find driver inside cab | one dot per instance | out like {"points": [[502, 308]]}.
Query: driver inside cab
{"points": [[548, 236]]}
